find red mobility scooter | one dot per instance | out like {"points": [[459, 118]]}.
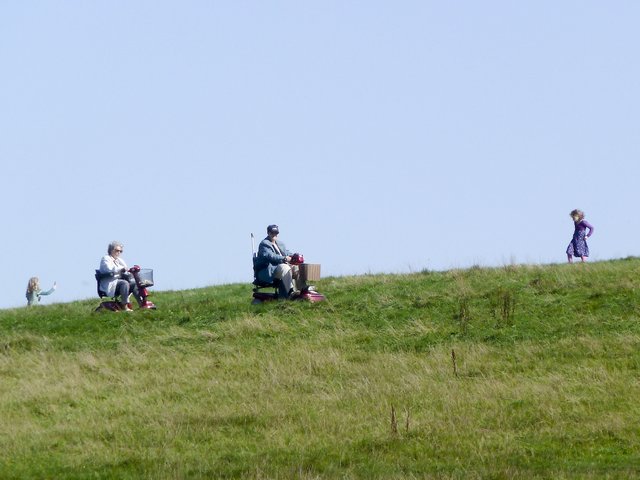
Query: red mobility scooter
{"points": [[143, 278], [266, 292]]}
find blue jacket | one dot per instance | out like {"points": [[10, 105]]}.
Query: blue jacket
{"points": [[268, 259], [34, 295]]}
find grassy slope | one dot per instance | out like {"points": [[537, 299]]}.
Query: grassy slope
{"points": [[546, 381]]}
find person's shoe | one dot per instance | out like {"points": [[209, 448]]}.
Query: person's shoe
{"points": [[126, 308], [293, 294]]}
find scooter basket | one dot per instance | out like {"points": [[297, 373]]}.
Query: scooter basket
{"points": [[145, 275], [309, 271]]}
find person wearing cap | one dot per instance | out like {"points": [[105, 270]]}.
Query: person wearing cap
{"points": [[272, 263]]}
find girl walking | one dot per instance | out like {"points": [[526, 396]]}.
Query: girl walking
{"points": [[578, 246]]}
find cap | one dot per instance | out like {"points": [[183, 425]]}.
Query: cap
{"points": [[273, 229]]}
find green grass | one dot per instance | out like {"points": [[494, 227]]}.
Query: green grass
{"points": [[545, 384]]}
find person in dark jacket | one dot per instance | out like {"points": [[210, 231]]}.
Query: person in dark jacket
{"points": [[273, 262]]}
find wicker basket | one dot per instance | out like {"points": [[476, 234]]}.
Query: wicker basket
{"points": [[309, 271]]}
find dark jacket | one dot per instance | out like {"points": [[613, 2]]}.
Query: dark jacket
{"points": [[268, 259]]}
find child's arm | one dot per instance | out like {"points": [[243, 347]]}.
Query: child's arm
{"points": [[50, 291], [589, 226]]}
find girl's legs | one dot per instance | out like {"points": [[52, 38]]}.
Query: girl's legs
{"points": [[583, 258], [569, 258]]}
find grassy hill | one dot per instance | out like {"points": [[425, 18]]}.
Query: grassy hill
{"points": [[514, 372]]}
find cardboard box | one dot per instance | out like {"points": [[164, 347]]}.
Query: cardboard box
{"points": [[309, 271]]}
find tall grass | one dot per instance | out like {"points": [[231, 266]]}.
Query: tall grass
{"points": [[545, 385]]}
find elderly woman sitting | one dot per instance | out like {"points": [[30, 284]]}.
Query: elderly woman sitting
{"points": [[115, 280]]}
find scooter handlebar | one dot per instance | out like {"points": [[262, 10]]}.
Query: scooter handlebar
{"points": [[297, 259]]}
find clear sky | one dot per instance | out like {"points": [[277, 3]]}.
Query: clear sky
{"points": [[381, 136]]}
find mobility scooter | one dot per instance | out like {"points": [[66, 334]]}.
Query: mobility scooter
{"points": [[265, 292], [143, 278]]}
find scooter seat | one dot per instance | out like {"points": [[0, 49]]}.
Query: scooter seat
{"points": [[260, 284], [99, 276]]}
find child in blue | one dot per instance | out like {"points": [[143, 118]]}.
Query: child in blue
{"points": [[34, 292]]}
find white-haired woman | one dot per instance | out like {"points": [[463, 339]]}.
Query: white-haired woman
{"points": [[578, 246], [117, 281]]}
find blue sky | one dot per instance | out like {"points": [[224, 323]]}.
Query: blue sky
{"points": [[380, 136]]}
